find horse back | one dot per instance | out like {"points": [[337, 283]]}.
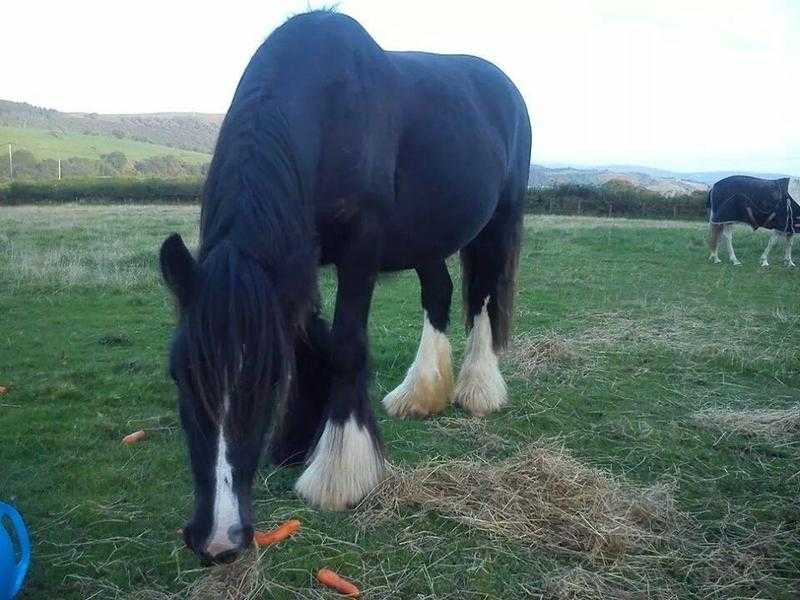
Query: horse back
{"points": [[401, 139]]}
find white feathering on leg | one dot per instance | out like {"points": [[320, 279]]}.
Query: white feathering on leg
{"points": [[428, 385], [345, 466], [480, 388]]}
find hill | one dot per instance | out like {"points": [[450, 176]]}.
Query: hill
{"points": [[190, 138], [706, 177], [55, 144], [664, 182], [187, 131], [542, 177]]}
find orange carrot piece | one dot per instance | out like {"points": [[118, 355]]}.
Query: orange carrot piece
{"points": [[334, 581], [134, 437], [268, 538]]}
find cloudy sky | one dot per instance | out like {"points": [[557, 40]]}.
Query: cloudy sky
{"points": [[677, 84]]}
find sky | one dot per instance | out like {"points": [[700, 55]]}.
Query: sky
{"points": [[689, 85]]}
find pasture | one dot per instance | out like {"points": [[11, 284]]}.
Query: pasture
{"points": [[59, 144], [641, 454]]}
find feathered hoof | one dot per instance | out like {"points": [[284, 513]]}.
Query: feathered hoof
{"points": [[481, 391], [346, 465]]}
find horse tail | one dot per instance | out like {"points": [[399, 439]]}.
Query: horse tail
{"points": [[506, 287], [709, 202]]}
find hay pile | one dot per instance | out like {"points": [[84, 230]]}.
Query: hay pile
{"points": [[764, 422], [578, 583], [619, 540], [535, 353], [245, 579], [540, 496]]}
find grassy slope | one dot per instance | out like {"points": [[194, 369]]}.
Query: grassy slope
{"points": [[44, 144], [85, 331]]}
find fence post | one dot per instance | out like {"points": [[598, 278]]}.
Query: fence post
{"points": [[579, 205], [610, 208]]}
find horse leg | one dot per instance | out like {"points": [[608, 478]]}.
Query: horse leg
{"points": [[773, 238], [787, 249], [347, 461], [489, 265], [428, 385], [308, 394], [715, 233], [727, 232]]}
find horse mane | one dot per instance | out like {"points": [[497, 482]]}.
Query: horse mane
{"points": [[258, 264], [234, 317]]}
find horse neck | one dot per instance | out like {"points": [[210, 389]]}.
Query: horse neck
{"points": [[254, 197]]}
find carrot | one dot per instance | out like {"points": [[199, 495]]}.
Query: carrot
{"points": [[268, 538], [332, 580], [134, 437]]}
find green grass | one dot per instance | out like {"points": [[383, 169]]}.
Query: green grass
{"points": [[50, 144], [648, 334]]}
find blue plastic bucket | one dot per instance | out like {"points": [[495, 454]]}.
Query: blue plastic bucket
{"points": [[13, 563]]}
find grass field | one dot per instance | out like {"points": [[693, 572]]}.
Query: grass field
{"points": [[631, 353], [47, 144]]}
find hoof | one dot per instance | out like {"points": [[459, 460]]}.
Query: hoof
{"points": [[428, 386], [481, 392], [480, 388], [346, 465]]}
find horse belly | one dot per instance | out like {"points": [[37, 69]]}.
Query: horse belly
{"points": [[423, 231]]}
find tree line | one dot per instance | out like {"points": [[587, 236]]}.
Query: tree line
{"points": [[606, 201], [615, 199]]}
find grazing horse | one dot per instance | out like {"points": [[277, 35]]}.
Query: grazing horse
{"points": [[337, 152], [770, 203]]}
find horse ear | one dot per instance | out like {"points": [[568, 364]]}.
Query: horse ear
{"points": [[178, 268]]}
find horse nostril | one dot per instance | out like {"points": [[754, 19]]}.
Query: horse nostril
{"points": [[241, 535], [226, 557]]}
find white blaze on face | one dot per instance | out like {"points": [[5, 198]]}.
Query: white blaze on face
{"points": [[225, 515]]}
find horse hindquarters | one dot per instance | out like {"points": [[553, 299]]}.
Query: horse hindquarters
{"points": [[489, 267]]}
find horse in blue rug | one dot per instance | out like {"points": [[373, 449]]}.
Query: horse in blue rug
{"points": [[769, 203]]}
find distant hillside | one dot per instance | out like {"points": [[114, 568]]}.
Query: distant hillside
{"points": [[543, 177], [666, 183], [706, 177], [188, 131], [55, 144]]}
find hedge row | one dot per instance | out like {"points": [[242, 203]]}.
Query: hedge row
{"points": [[562, 200], [610, 202], [111, 189]]}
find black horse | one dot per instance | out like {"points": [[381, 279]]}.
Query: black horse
{"points": [[335, 151]]}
